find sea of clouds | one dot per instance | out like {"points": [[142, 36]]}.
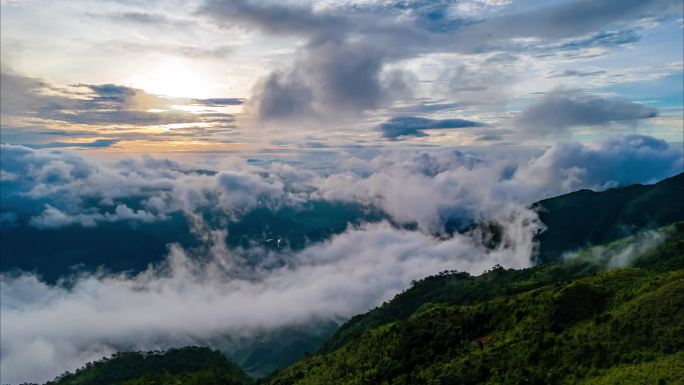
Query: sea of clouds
{"points": [[200, 293]]}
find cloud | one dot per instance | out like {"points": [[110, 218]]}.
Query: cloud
{"points": [[571, 18], [489, 138], [576, 73], [602, 39], [339, 71], [563, 109], [415, 126], [273, 18], [329, 79], [617, 161], [425, 188], [281, 96], [188, 50], [99, 143], [184, 300], [81, 191], [99, 104], [52, 217], [199, 295], [337, 61], [145, 18], [221, 101], [430, 188], [21, 95], [623, 253]]}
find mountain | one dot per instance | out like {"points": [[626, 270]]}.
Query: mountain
{"points": [[576, 320], [612, 313], [573, 221], [586, 217], [55, 253], [572, 321], [187, 366]]}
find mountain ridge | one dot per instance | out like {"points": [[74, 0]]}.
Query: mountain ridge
{"points": [[585, 217]]}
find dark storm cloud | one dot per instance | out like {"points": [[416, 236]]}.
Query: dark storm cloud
{"points": [[415, 126], [561, 109]]}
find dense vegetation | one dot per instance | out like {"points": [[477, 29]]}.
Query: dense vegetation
{"points": [[265, 352], [187, 366], [586, 217], [568, 322]]}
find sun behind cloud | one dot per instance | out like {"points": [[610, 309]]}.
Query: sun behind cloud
{"points": [[173, 77]]}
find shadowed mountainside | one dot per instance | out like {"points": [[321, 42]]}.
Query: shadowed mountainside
{"points": [[585, 217], [188, 366]]}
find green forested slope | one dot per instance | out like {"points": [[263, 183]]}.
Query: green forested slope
{"points": [[567, 322], [186, 366], [586, 217]]}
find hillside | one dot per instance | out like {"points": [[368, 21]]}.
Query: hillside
{"points": [[568, 322], [187, 366], [608, 314], [571, 321], [586, 217]]}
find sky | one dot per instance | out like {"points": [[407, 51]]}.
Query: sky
{"points": [[398, 119], [257, 76]]}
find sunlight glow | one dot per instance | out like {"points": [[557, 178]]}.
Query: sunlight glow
{"points": [[174, 77]]}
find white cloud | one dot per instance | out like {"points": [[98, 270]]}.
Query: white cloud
{"points": [[430, 187], [52, 217], [422, 187], [216, 291], [184, 300]]}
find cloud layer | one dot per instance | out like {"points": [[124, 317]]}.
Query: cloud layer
{"points": [[415, 126], [47, 329], [425, 188], [561, 110], [200, 294], [347, 109]]}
